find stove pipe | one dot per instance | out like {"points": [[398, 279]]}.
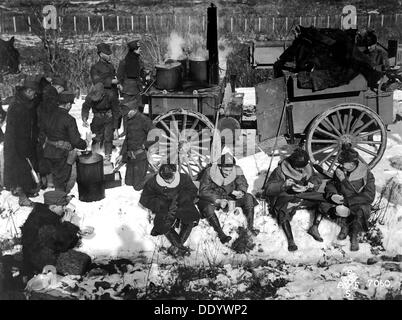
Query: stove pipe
{"points": [[212, 44]]}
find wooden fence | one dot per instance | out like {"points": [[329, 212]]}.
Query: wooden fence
{"points": [[272, 26]]}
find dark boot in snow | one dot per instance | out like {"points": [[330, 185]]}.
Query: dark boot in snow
{"points": [[214, 222], [344, 230], [23, 200], [354, 242], [185, 232], [313, 231], [249, 213], [289, 236]]}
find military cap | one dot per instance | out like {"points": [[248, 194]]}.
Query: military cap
{"points": [[66, 97], [299, 158], [60, 82], [59, 198], [104, 48], [131, 102], [133, 45], [348, 154], [31, 83]]}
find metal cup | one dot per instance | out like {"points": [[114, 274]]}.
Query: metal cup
{"points": [[231, 205]]}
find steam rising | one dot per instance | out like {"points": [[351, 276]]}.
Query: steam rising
{"points": [[175, 46]]}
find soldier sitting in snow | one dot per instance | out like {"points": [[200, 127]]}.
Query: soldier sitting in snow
{"points": [[286, 187], [352, 186], [48, 232], [170, 195], [220, 183]]}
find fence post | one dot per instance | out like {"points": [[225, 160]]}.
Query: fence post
{"points": [[203, 23], [103, 23], [369, 21], [146, 23], [273, 24], [59, 18], [15, 25], [29, 24], [231, 24], [117, 23], [259, 24], [315, 21], [300, 20], [245, 24], [327, 21], [189, 23], [75, 24], [382, 20], [89, 23], [286, 21], [132, 23]]}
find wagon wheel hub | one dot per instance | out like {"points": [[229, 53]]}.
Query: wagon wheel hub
{"points": [[347, 138]]}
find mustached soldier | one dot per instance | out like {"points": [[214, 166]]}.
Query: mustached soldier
{"points": [[62, 136]]}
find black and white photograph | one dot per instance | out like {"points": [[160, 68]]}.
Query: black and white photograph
{"points": [[201, 155]]}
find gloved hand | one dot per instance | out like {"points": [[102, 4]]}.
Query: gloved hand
{"points": [[337, 198], [238, 194], [222, 203]]}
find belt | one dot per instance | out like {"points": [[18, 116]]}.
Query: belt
{"points": [[103, 113], [65, 145]]}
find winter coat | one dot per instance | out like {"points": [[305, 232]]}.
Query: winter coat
{"points": [[130, 79], [138, 128], [358, 188], [44, 237], [48, 103], [20, 143], [104, 72], [62, 126], [158, 196], [213, 186], [275, 188], [102, 106]]}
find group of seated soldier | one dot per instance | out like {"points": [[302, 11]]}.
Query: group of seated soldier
{"points": [[178, 204]]}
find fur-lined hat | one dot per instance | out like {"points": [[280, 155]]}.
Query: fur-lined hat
{"points": [[298, 159]]}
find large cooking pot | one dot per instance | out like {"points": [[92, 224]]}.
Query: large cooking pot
{"points": [[198, 69], [168, 76]]}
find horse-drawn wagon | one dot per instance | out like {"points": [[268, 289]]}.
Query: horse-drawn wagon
{"points": [[324, 120]]}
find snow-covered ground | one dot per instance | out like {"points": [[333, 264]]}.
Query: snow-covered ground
{"points": [[316, 271]]}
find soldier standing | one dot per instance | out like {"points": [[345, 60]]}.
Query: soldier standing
{"points": [[104, 72], [131, 74], [20, 143], [135, 145], [62, 136], [48, 102], [106, 116]]}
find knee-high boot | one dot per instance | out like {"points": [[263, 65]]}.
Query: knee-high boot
{"points": [[289, 236], [177, 247], [185, 232], [313, 231], [214, 222], [249, 213], [344, 229]]}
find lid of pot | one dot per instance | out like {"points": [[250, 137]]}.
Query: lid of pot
{"points": [[168, 65], [198, 58]]}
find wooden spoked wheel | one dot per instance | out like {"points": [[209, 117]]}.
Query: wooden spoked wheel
{"points": [[185, 139], [346, 123]]}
